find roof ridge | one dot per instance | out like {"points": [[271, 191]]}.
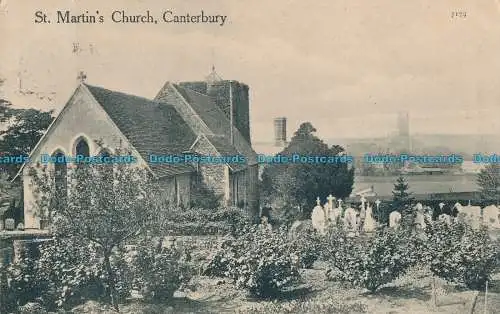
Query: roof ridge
{"points": [[125, 94]]}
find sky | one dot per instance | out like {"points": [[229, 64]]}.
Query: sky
{"points": [[347, 66]]}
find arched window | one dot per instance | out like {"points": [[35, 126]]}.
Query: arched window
{"points": [[82, 148]]}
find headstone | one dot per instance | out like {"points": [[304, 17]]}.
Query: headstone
{"points": [[350, 221], [318, 218], [491, 216], [2, 227], [20, 226], [340, 203], [335, 214], [394, 219], [369, 224], [264, 223], [445, 218], [299, 227], [420, 217], [10, 224], [470, 215]]}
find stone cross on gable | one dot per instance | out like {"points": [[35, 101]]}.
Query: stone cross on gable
{"points": [[82, 77]]}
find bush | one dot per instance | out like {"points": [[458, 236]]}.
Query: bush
{"points": [[368, 263], [65, 274], [158, 272], [198, 221], [259, 261], [307, 246], [460, 254]]}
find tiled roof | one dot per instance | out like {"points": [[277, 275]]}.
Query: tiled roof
{"points": [[224, 148], [217, 122], [151, 127]]}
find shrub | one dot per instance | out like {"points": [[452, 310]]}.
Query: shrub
{"points": [[260, 261], [157, 271], [66, 274], [307, 246], [461, 254], [368, 263], [198, 221]]}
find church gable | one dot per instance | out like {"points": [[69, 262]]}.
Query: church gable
{"points": [[81, 117], [200, 112]]}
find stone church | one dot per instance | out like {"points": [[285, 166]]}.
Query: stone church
{"points": [[207, 118]]}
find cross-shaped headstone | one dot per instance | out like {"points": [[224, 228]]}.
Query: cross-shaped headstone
{"points": [[330, 200], [82, 77], [318, 201], [340, 203], [377, 202], [441, 205], [363, 200]]}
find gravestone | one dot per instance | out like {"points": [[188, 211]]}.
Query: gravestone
{"points": [[318, 217], [394, 219], [445, 218], [350, 219], [335, 215], [20, 226], [299, 227], [10, 224], [420, 217], [491, 216], [470, 215], [369, 224]]}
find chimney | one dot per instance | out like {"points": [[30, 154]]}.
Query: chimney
{"points": [[280, 131]]}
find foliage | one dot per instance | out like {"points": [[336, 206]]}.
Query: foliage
{"points": [[402, 201], [301, 183], [65, 274], [104, 208], [199, 221], [461, 254], [369, 263], [306, 307], [488, 180], [158, 272], [24, 129], [260, 260], [307, 245]]}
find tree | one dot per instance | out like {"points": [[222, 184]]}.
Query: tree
{"points": [[402, 200], [299, 183], [101, 208], [488, 180], [24, 128]]}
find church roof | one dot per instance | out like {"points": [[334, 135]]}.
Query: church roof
{"points": [[217, 122], [151, 127]]}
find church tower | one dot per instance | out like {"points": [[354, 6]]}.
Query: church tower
{"points": [[232, 97]]}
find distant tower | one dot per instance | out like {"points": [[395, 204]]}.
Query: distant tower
{"points": [[280, 131], [404, 130]]}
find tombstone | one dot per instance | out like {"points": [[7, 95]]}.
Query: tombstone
{"points": [[299, 227], [20, 226], [420, 217], [10, 224], [491, 216], [318, 217], [369, 224], [445, 218], [394, 219], [350, 221], [2, 227], [335, 214], [264, 223], [470, 215]]}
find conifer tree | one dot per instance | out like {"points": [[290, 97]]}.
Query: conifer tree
{"points": [[402, 200]]}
